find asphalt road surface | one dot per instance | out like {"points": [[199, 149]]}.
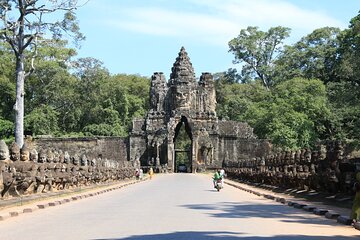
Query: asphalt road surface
{"points": [[174, 206]]}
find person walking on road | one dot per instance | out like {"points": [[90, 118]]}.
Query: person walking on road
{"points": [[151, 172]]}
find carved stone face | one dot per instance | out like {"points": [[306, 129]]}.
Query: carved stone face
{"points": [[14, 152], [42, 156], [75, 159], [182, 97], [24, 155], [66, 157], [322, 153], [61, 157], [315, 156], [83, 160], [34, 156], [4, 151], [50, 157], [307, 156], [56, 157], [93, 162]]}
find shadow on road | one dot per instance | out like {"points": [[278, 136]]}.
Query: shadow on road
{"points": [[222, 235], [244, 210]]}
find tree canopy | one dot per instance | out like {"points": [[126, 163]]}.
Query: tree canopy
{"points": [[293, 95]]}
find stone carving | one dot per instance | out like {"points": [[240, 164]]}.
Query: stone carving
{"points": [[157, 92], [205, 147], [323, 169], [4, 171], [184, 101], [27, 171]]}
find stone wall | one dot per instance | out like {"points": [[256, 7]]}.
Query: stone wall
{"points": [[104, 147], [232, 149]]}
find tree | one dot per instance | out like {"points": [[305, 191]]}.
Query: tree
{"points": [[307, 99], [91, 75], [23, 25], [293, 115], [43, 120], [106, 121], [349, 53], [258, 50], [234, 100], [314, 56], [129, 94], [344, 90], [53, 85]]}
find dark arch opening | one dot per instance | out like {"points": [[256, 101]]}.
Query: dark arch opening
{"points": [[183, 146]]}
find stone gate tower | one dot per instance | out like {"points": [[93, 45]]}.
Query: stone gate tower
{"points": [[184, 101]]}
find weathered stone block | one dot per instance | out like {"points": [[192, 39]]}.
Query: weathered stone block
{"points": [[269, 196], [299, 205], [344, 220], [318, 211], [42, 206], [332, 215], [357, 225], [28, 210], [291, 204], [14, 214], [309, 208]]}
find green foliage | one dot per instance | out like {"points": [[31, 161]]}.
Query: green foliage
{"points": [[345, 100], [182, 142], [7, 97], [294, 114], [235, 100], [42, 121], [104, 129], [314, 56], [258, 50], [105, 121], [22, 25], [6, 128], [7, 83], [349, 53], [288, 128]]}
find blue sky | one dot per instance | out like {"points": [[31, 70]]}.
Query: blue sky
{"points": [[145, 36]]}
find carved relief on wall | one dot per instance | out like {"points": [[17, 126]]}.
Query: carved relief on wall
{"points": [[157, 92], [205, 147]]}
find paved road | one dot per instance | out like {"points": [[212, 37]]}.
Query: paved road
{"points": [[174, 206]]}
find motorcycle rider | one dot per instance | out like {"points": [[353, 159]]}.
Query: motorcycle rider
{"points": [[216, 177]]}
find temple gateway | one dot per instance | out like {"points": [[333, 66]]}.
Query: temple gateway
{"points": [[185, 102]]}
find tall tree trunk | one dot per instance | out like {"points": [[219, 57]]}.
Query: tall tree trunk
{"points": [[19, 104]]}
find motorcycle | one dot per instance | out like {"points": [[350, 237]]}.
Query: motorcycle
{"points": [[218, 184]]}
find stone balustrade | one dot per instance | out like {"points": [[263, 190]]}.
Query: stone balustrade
{"points": [[324, 169], [33, 171]]}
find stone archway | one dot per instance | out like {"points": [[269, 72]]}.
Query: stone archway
{"points": [[183, 143], [185, 101]]}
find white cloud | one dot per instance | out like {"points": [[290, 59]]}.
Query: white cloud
{"points": [[218, 21], [171, 23]]}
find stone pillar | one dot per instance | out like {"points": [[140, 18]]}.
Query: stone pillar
{"points": [[194, 160], [171, 155]]}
